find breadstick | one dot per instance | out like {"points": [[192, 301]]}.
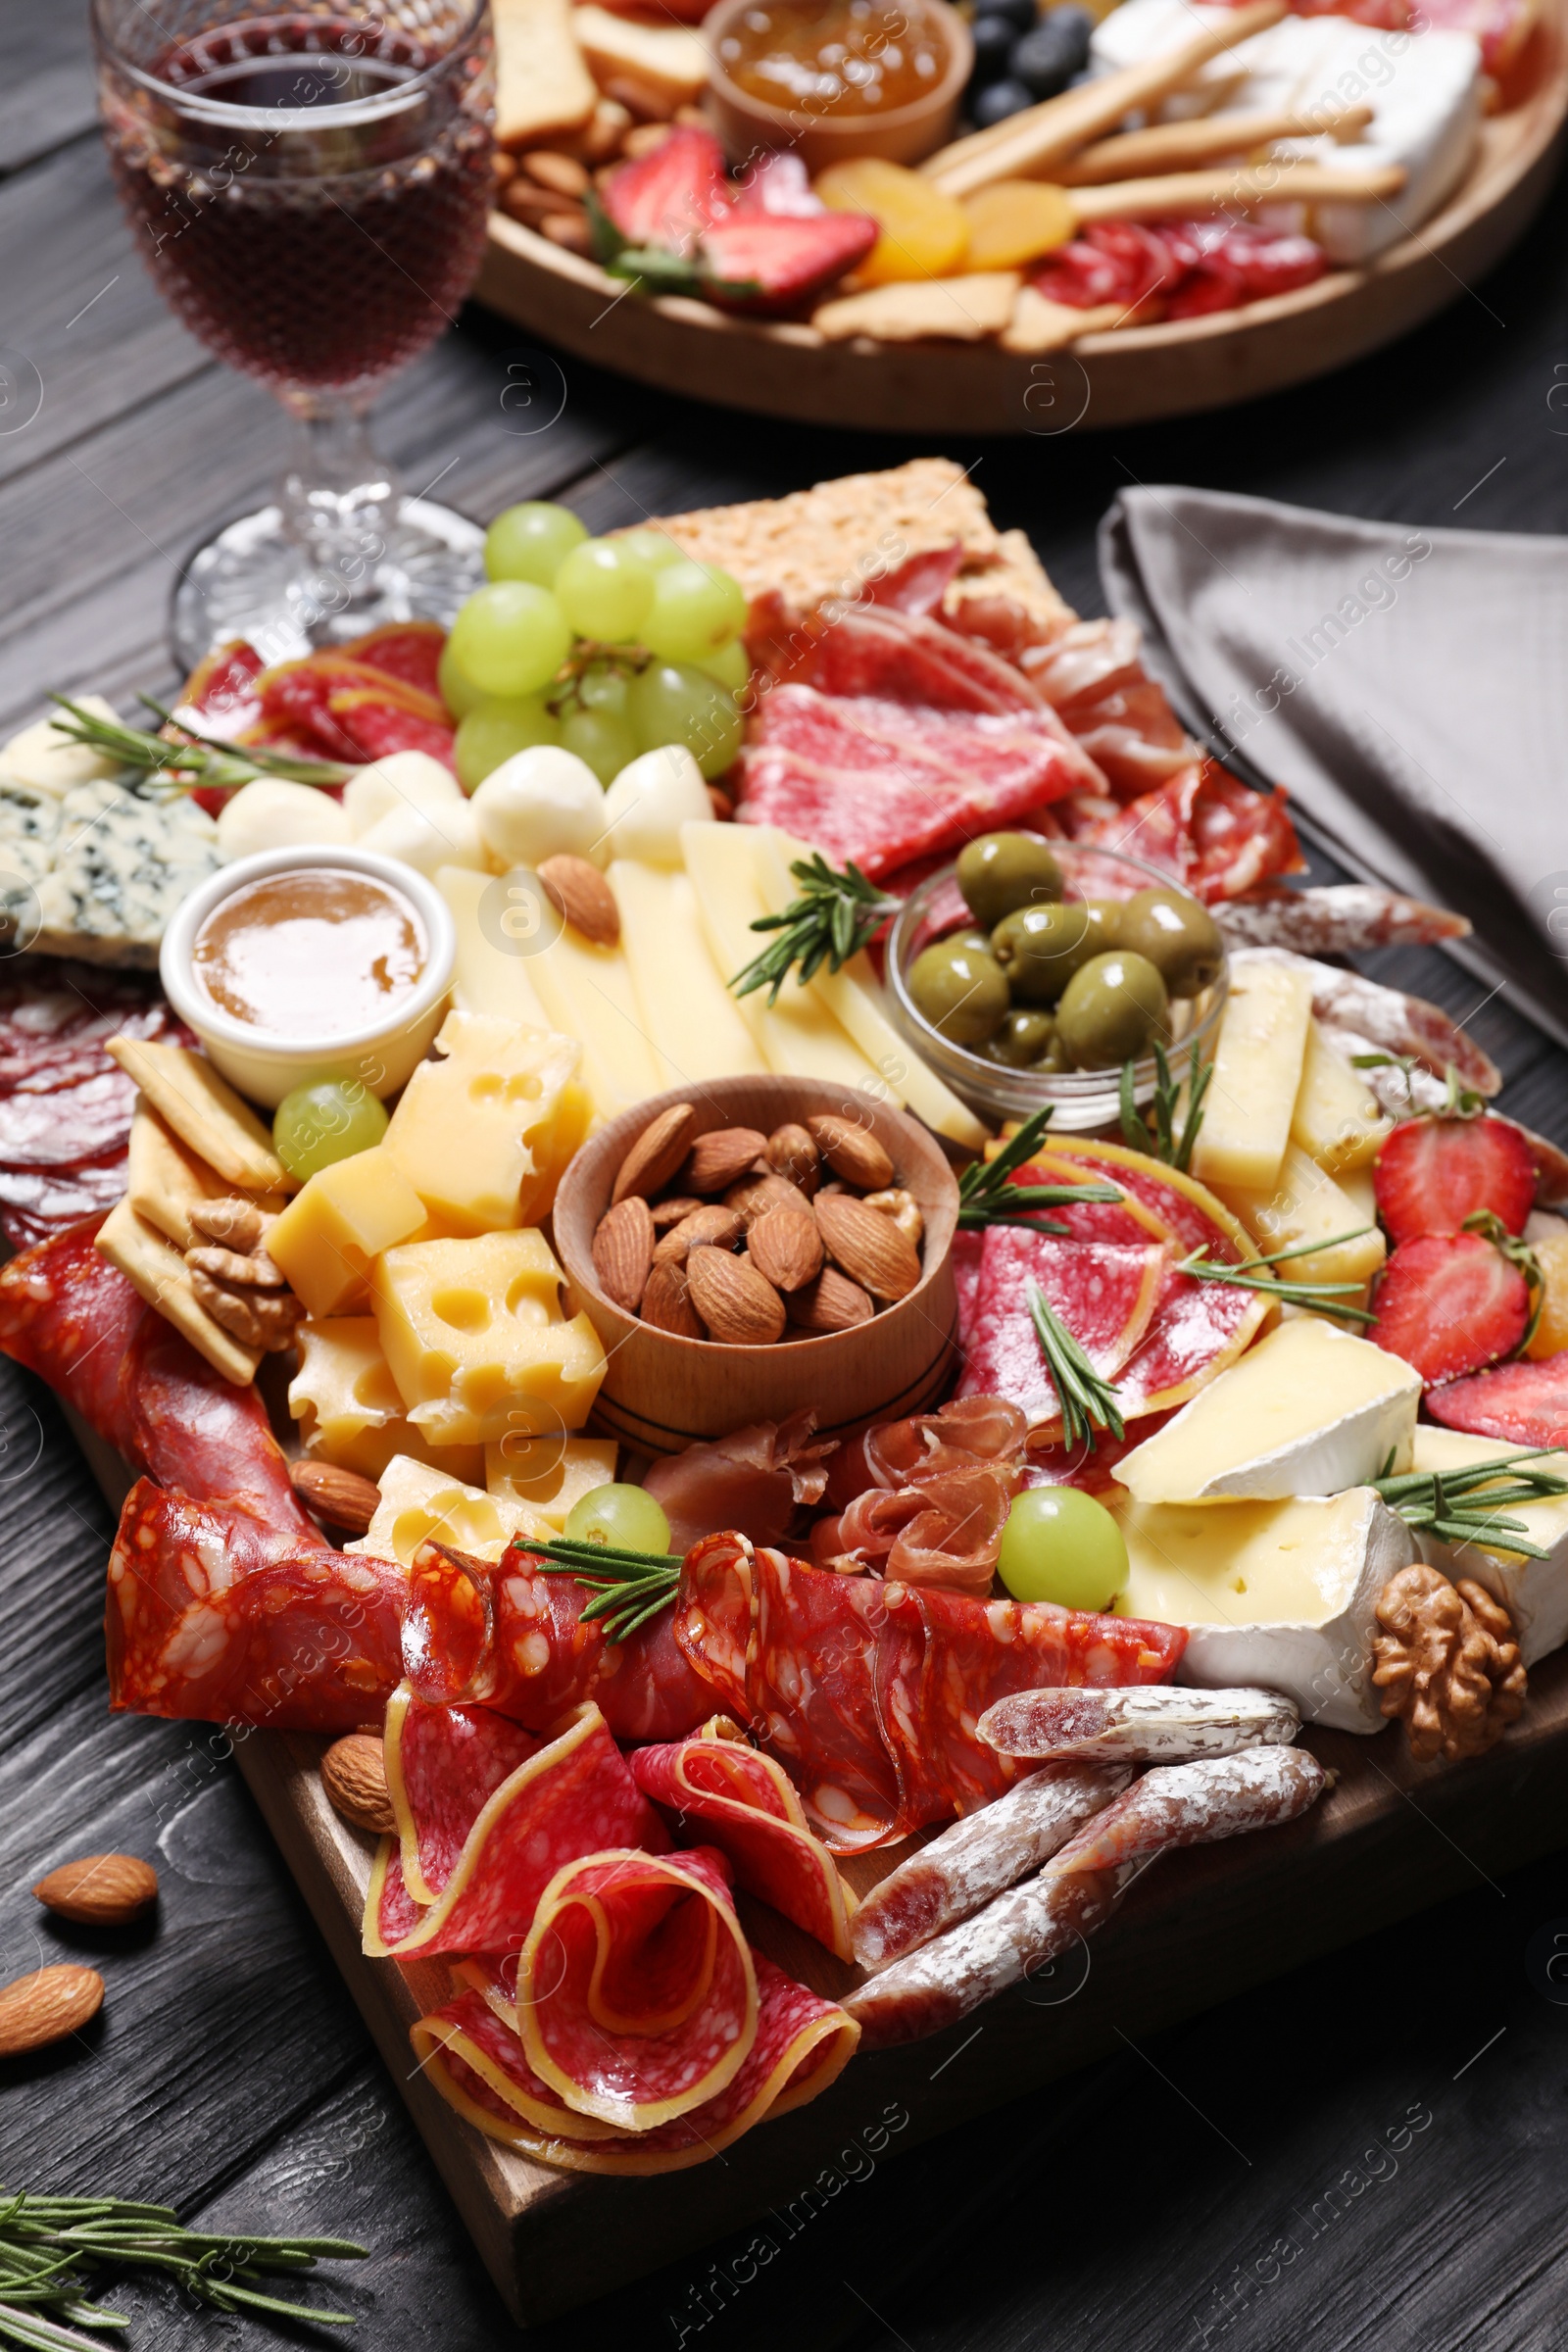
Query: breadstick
{"points": [[1026, 145], [1173, 195], [1205, 139]]}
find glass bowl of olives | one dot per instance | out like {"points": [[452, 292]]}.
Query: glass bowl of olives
{"points": [[1031, 971]]}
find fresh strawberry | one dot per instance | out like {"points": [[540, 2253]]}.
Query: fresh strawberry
{"points": [[1450, 1303], [778, 184], [670, 196], [762, 261], [1522, 1404], [1432, 1174]]}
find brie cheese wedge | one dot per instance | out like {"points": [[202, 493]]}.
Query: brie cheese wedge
{"points": [[1309, 1410], [1535, 1593], [1279, 1594]]}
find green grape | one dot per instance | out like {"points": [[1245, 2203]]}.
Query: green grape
{"points": [[493, 730], [316, 1126], [1060, 1544], [510, 638], [532, 542], [696, 609], [605, 592], [603, 687], [601, 738], [459, 695], [672, 702], [626, 1518], [731, 666], [650, 546]]}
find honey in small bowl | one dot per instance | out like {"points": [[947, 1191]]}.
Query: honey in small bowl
{"points": [[319, 952], [849, 58]]}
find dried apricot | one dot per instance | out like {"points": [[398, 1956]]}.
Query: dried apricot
{"points": [[1016, 222], [924, 233]]}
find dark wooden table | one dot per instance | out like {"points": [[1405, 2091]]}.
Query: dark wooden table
{"points": [[1369, 2152]]}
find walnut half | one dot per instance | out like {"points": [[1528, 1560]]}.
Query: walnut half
{"points": [[1447, 1663]]}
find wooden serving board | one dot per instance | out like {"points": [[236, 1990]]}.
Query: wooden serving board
{"points": [[1128, 377]]}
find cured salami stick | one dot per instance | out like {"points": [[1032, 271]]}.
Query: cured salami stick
{"points": [[1180, 1805], [1161, 1725], [1341, 920], [981, 1856]]}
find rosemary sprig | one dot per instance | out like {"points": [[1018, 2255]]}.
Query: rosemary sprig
{"points": [[183, 765], [1461, 1102], [50, 2248], [987, 1197], [832, 919], [629, 1587], [1087, 1402], [1447, 1504], [1318, 1296], [1163, 1143]]}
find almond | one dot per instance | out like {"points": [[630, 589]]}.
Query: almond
{"points": [[868, 1247], [755, 1195], [791, 1153], [832, 1302], [101, 1891], [721, 1159], [670, 1212], [739, 1308], [710, 1227], [624, 1250], [354, 1775], [571, 229], [581, 897], [668, 1303], [342, 1497], [46, 2006], [657, 1154], [852, 1151], [786, 1248], [561, 172], [904, 1210]]}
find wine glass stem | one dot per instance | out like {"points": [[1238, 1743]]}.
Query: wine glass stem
{"points": [[340, 501]]}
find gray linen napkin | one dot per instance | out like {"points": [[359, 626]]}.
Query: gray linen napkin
{"points": [[1407, 687]]}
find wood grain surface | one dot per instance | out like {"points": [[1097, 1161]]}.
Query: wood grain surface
{"points": [[1363, 2155]]}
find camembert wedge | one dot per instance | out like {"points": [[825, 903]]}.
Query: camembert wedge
{"points": [[1535, 1593]]}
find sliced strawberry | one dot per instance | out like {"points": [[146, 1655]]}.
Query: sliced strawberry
{"points": [[778, 184], [1450, 1303], [669, 197], [1523, 1404], [1433, 1173], [763, 262]]}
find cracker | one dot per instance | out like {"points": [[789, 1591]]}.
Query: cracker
{"points": [[542, 83], [205, 1113], [166, 1180], [1039, 325], [665, 64], [157, 1271], [951, 309]]}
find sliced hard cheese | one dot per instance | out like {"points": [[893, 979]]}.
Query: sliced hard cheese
{"points": [[483, 1134], [1280, 1593], [688, 1014], [347, 1404], [419, 1505], [1359, 1189], [550, 1474], [1535, 1593], [1257, 1074], [205, 1113], [157, 1270], [491, 973], [165, 1181], [1335, 1120], [1309, 1410], [588, 994], [1305, 1204]]}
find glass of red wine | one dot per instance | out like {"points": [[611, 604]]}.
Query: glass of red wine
{"points": [[310, 192]]}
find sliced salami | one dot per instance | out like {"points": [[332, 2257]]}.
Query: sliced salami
{"points": [[1144, 1727], [71, 1316], [194, 1430], [71, 1123], [1103, 1292], [442, 1765]]}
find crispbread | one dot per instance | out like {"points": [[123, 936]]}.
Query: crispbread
{"points": [[156, 1270], [952, 310], [1039, 325], [542, 83], [205, 1113], [166, 1180], [666, 65]]}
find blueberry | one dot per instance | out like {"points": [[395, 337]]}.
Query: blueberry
{"points": [[1045, 59], [1020, 14], [1074, 27], [996, 104], [993, 37]]}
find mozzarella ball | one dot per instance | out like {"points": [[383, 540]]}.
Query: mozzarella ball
{"points": [[541, 803], [402, 780], [272, 813], [427, 838], [651, 800]]}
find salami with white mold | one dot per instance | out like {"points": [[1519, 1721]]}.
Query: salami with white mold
{"points": [[1164, 1726]]}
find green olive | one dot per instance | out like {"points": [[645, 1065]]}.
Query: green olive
{"points": [[1002, 871], [1040, 948], [1178, 935], [977, 942], [1111, 1009], [1023, 1038], [960, 991]]}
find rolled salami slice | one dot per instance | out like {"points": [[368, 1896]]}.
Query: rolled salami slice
{"points": [[1159, 1726], [958, 1873], [1178, 1804]]}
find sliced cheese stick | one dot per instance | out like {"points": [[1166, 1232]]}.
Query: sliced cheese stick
{"points": [[981, 1856], [1015, 1936], [1157, 1724]]}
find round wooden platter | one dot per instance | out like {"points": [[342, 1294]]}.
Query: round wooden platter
{"points": [[1131, 376]]}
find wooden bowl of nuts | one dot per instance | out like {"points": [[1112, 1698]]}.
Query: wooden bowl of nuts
{"points": [[757, 1246]]}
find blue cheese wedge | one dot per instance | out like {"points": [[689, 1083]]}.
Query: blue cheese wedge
{"points": [[123, 862], [1535, 1593], [30, 825]]}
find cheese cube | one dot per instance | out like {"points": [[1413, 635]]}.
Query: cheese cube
{"points": [[550, 1474], [419, 1505], [1280, 1593], [1304, 1205], [342, 1219], [484, 1134], [478, 1344], [1337, 1120], [1535, 1593], [1309, 1410], [347, 1407], [1257, 1074]]}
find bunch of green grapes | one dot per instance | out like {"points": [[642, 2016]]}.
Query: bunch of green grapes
{"points": [[550, 586]]}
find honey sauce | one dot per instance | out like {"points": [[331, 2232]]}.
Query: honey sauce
{"points": [[853, 57], [323, 951]]}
